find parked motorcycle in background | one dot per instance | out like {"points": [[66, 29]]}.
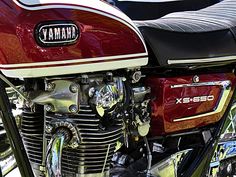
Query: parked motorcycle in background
{"points": [[86, 91]]}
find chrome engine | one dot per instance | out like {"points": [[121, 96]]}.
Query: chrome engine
{"points": [[83, 119]]}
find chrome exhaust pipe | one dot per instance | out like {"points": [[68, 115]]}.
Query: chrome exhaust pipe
{"points": [[54, 152]]}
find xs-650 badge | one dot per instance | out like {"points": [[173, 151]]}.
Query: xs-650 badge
{"points": [[196, 99], [56, 33]]}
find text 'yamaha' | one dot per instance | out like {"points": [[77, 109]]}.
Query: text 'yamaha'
{"points": [[57, 33]]}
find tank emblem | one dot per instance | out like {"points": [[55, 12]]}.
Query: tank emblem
{"points": [[56, 33]]}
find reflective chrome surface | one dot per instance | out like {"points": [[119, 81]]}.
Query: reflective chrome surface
{"points": [[54, 153], [169, 166], [202, 60], [224, 84], [60, 96], [16, 89], [7, 159], [89, 157], [73, 129], [106, 96], [223, 162], [8, 164]]}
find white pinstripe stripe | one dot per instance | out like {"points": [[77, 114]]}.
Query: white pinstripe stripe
{"points": [[65, 62], [75, 69]]}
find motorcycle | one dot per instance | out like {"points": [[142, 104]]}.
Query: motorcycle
{"points": [[95, 93]]}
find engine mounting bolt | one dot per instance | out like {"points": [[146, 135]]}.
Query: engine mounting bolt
{"points": [[48, 128], [49, 107], [109, 76], [196, 79], [73, 108], [74, 88], [91, 91], [28, 104], [229, 168], [84, 79], [74, 145], [50, 86], [136, 76]]}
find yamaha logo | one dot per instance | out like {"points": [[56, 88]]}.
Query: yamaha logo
{"points": [[57, 33]]}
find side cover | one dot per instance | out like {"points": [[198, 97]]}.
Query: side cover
{"points": [[181, 103], [105, 38]]}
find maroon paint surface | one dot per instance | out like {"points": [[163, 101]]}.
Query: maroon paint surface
{"points": [[100, 36], [165, 110]]}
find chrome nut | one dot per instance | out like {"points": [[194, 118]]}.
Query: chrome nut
{"points": [[74, 88], [49, 107], [48, 129], [73, 108], [50, 87]]}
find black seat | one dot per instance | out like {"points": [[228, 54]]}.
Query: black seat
{"points": [[147, 10], [193, 37]]}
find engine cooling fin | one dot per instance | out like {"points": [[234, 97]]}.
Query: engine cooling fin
{"points": [[32, 132], [91, 156]]}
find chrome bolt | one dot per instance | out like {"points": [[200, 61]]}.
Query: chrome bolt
{"points": [[74, 88], [109, 76], [29, 104], [229, 168], [84, 79], [74, 145], [91, 91], [48, 129], [196, 79], [136, 76], [49, 107], [42, 168], [73, 108], [50, 86]]}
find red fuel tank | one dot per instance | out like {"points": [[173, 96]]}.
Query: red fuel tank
{"points": [[56, 37], [182, 103]]}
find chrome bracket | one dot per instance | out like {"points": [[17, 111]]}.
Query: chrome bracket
{"points": [[60, 96]]}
